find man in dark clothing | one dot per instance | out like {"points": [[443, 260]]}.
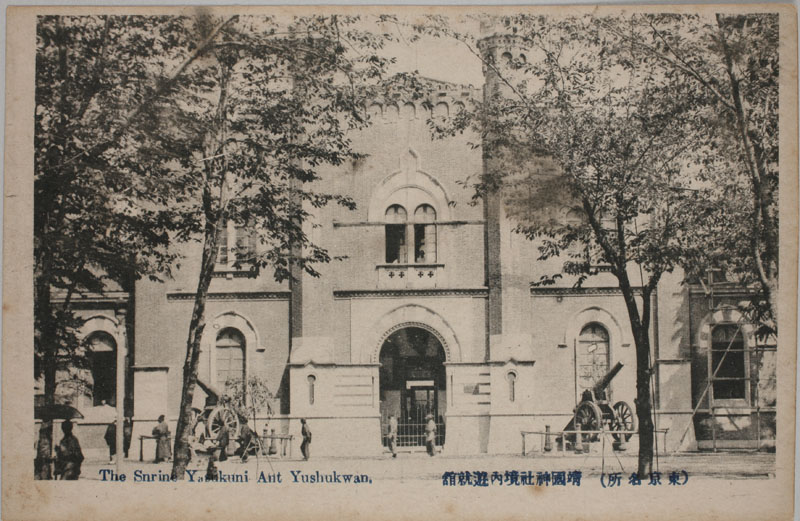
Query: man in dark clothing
{"points": [[245, 438], [127, 434], [305, 447], [68, 454], [111, 440], [223, 440]]}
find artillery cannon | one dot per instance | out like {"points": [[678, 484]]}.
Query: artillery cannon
{"points": [[594, 413], [217, 411]]}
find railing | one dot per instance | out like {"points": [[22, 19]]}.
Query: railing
{"points": [[413, 435], [558, 439]]}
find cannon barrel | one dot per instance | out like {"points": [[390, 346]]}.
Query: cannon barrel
{"points": [[210, 390], [603, 383]]}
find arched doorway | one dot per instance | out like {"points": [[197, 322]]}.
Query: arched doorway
{"points": [[412, 384]]}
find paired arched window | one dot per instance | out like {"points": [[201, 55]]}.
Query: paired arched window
{"points": [[230, 356], [420, 231], [103, 364], [592, 355], [728, 352]]}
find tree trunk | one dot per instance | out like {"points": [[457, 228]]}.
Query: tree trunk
{"points": [[214, 210], [45, 324], [644, 407], [640, 325], [196, 328]]}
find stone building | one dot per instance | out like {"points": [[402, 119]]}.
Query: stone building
{"points": [[434, 312]]}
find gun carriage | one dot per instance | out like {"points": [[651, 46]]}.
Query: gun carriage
{"points": [[218, 410], [594, 412]]}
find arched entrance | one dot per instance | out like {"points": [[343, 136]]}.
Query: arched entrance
{"points": [[412, 384]]}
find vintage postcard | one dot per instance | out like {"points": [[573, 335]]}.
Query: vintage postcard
{"points": [[400, 263]]}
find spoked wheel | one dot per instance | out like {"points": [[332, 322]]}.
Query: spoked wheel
{"points": [[589, 418], [220, 416], [624, 420]]}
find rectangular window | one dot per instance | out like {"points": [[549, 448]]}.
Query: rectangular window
{"points": [[728, 360], [245, 244], [222, 245]]}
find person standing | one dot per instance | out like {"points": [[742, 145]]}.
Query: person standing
{"points": [[245, 438], [111, 440], [223, 440], [127, 434], [305, 447], [68, 454], [392, 435], [162, 435], [430, 435]]}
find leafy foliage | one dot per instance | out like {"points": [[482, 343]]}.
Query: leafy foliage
{"points": [[250, 397], [632, 143]]}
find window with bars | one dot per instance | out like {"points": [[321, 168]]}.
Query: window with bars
{"points": [[729, 353], [230, 356]]}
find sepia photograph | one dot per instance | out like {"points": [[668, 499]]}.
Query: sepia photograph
{"points": [[384, 262]]}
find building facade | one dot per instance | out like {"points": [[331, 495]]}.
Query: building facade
{"points": [[434, 311]]}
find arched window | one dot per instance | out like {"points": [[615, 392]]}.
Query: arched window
{"points": [[728, 352], [229, 356], [312, 380], [103, 364], [575, 217], [512, 384], [396, 218], [424, 234], [592, 356]]}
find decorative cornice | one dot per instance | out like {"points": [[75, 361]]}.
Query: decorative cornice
{"points": [[579, 292], [487, 363], [339, 224], [729, 290], [235, 295], [78, 298], [432, 292], [235, 274]]}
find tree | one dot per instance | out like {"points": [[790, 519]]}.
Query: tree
{"points": [[267, 111], [732, 62], [617, 127], [100, 189], [250, 396]]}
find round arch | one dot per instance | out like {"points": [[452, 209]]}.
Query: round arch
{"points": [[597, 315], [103, 323], [228, 319], [429, 189], [726, 315], [411, 315]]}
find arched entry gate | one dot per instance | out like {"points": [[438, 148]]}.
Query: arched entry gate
{"points": [[412, 385]]}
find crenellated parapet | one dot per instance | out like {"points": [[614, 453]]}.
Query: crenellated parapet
{"points": [[503, 50], [438, 99]]}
